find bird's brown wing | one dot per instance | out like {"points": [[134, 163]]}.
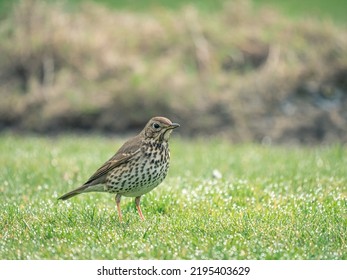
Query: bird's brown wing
{"points": [[124, 154], [100, 175]]}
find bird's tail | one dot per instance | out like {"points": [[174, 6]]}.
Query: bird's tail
{"points": [[69, 195], [82, 189], [74, 192]]}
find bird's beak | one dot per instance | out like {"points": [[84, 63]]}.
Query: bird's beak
{"points": [[173, 126], [168, 131]]}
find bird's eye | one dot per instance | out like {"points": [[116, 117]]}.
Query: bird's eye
{"points": [[155, 125]]}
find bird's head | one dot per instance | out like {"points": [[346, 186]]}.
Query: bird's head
{"points": [[159, 128]]}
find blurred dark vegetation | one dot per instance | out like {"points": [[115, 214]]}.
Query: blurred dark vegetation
{"points": [[237, 72]]}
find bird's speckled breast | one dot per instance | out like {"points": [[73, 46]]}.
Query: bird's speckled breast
{"points": [[143, 172]]}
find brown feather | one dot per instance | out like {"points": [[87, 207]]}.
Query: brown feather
{"points": [[125, 152]]}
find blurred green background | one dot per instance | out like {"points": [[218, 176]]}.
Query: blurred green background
{"points": [[232, 73], [254, 71], [334, 9]]}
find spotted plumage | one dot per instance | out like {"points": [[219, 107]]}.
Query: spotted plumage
{"points": [[139, 166]]}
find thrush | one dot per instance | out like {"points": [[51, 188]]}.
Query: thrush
{"points": [[139, 166]]}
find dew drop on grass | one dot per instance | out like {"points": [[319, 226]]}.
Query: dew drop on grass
{"points": [[217, 174]]}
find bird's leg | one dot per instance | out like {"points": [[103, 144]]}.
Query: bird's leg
{"points": [[137, 202], [118, 197]]}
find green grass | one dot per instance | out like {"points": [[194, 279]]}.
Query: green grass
{"points": [[334, 9], [271, 203]]}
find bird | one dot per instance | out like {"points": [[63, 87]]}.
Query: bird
{"points": [[138, 167]]}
